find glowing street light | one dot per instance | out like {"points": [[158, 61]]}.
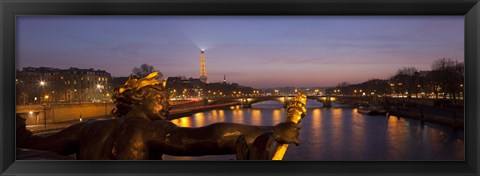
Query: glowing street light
{"points": [[42, 83]]}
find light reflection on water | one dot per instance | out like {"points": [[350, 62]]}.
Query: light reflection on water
{"points": [[343, 134]]}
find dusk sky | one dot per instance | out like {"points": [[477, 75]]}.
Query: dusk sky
{"points": [[256, 51]]}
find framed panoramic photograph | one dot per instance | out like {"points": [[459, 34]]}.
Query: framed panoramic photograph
{"points": [[256, 87]]}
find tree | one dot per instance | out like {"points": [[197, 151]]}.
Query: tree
{"points": [[344, 88], [449, 75], [144, 70], [460, 73], [406, 81]]}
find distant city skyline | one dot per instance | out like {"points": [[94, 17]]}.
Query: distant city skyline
{"points": [[255, 51]]}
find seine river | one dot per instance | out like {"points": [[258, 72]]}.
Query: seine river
{"points": [[341, 134]]}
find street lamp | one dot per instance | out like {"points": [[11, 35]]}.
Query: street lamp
{"points": [[45, 98], [42, 84], [106, 108], [100, 93]]}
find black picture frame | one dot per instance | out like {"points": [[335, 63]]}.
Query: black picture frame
{"points": [[12, 8]]}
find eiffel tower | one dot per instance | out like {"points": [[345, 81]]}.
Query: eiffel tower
{"points": [[203, 69]]}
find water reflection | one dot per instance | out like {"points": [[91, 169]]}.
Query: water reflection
{"points": [[256, 117], [338, 138], [397, 138], [238, 116], [183, 122], [277, 116], [357, 126], [200, 118], [343, 134]]}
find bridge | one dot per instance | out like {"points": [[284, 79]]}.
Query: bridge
{"points": [[247, 101]]}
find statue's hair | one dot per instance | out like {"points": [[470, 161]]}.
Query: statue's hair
{"points": [[133, 91]]}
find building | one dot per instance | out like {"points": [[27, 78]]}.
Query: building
{"points": [[182, 88], [53, 85]]}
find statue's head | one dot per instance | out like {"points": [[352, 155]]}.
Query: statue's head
{"points": [[147, 94]]}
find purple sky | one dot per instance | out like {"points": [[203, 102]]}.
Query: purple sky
{"points": [[260, 51]]}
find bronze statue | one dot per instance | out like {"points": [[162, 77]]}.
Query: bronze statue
{"points": [[140, 131]]}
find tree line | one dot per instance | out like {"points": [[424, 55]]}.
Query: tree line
{"points": [[445, 79]]}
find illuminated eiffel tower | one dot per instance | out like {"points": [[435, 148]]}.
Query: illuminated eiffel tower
{"points": [[203, 69]]}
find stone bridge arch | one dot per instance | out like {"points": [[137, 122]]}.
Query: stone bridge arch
{"points": [[284, 100], [247, 102], [325, 100]]}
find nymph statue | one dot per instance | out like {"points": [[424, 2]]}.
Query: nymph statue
{"points": [[140, 131]]}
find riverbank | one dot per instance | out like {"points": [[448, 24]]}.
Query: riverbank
{"points": [[449, 116], [444, 116], [178, 111]]}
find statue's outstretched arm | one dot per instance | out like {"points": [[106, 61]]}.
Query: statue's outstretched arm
{"points": [[220, 138], [65, 142]]}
